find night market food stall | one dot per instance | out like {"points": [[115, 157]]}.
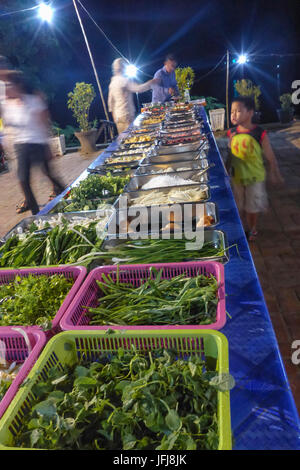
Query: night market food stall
{"points": [[140, 346]]}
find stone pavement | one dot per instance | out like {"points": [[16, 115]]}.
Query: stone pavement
{"points": [[67, 167], [276, 250]]}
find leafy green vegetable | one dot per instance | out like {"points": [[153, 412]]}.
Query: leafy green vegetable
{"points": [[94, 190], [61, 245], [153, 251], [157, 301], [127, 400], [32, 300]]}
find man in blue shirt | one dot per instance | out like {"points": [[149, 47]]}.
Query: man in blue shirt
{"points": [[167, 87]]}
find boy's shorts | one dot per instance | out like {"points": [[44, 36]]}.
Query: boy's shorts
{"points": [[252, 198]]}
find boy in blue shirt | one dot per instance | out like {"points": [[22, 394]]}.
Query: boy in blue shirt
{"points": [[167, 86]]}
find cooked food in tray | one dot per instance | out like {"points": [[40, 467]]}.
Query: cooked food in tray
{"points": [[124, 158], [179, 140], [174, 195], [139, 138]]}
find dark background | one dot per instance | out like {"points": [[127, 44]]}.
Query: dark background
{"points": [[198, 32]]}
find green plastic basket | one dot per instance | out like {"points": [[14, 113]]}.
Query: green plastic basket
{"points": [[63, 348]]}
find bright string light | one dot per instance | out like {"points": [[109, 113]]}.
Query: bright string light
{"points": [[131, 71], [45, 12]]}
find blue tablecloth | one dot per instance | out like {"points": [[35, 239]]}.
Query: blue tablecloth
{"points": [[263, 412]]}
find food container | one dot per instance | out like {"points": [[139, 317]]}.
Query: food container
{"points": [[165, 216], [179, 148], [114, 170], [14, 348], [137, 182], [217, 238], [25, 223], [89, 294], [174, 157], [76, 345], [131, 196], [175, 167]]}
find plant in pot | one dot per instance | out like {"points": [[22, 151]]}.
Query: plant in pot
{"points": [[80, 100], [185, 78], [247, 88], [286, 113]]}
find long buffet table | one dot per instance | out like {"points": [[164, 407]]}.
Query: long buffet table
{"points": [[263, 412]]}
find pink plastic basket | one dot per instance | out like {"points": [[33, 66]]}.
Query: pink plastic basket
{"points": [[77, 273], [75, 318], [13, 348]]}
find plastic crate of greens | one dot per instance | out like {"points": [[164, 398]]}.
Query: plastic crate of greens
{"points": [[151, 296], [91, 390], [19, 349], [38, 295]]}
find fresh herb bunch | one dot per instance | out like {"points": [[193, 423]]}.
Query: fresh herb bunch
{"points": [[60, 245], [180, 301], [96, 189], [128, 400], [153, 251], [32, 300]]}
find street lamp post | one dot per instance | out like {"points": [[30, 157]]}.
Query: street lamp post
{"points": [[93, 65]]}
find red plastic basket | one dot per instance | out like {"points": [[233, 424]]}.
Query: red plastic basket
{"points": [[13, 348], [77, 273], [75, 318]]}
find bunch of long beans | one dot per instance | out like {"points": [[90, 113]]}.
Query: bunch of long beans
{"points": [[180, 300]]}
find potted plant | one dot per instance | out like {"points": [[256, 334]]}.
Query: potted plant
{"points": [[185, 78], [285, 114], [80, 100], [247, 88], [58, 141]]}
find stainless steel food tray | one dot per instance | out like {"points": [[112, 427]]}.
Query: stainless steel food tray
{"points": [[131, 196], [167, 149], [174, 157], [158, 169], [122, 217], [216, 237], [114, 170], [137, 182], [27, 221]]}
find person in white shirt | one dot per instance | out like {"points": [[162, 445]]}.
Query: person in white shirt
{"points": [[27, 113], [120, 95]]}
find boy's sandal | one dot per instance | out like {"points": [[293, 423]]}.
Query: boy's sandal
{"points": [[22, 208], [252, 235]]}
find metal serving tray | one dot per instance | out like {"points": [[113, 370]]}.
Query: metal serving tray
{"points": [[216, 237], [114, 170], [158, 169], [137, 182], [178, 124], [174, 157], [176, 130], [25, 223], [167, 149], [131, 196], [121, 217]]}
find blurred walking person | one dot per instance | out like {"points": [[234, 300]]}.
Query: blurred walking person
{"points": [[26, 112], [120, 95]]}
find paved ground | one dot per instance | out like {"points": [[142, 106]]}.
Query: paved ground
{"points": [[68, 167], [276, 252]]}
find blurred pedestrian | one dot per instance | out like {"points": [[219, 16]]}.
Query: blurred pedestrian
{"points": [[27, 114], [120, 95]]}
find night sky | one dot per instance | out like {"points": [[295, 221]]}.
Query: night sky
{"points": [[198, 32]]}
